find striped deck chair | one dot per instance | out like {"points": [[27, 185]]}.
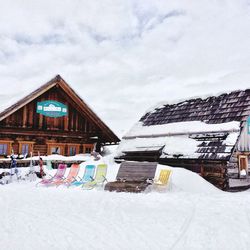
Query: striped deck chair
{"points": [[87, 176], [74, 169], [100, 177], [58, 176], [164, 178]]}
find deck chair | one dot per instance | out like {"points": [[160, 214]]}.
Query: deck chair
{"points": [[74, 169], [87, 176], [133, 177], [164, 178], [100, 177], [49, 165], [58, 176]]}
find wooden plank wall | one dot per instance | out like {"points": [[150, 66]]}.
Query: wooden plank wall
{"points": [[41, 148], [28, 118]]}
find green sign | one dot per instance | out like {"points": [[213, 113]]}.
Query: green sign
{"points": [[52, 109], [248, 125]]}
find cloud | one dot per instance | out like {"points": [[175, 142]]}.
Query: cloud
{"points": [[124, 56]]}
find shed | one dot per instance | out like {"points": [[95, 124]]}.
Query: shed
{"points": [[209, 136]]}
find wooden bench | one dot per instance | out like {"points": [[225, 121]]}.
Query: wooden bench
{"points": [[133, 177]]}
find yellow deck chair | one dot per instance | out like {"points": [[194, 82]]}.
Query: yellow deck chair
{"points": [[164, 178], [100, 177]]}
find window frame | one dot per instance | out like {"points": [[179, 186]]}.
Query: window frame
{"points": [[77, 146], [243, 158], [54, 144], [9, 146], [89, 145], [30, 145]]}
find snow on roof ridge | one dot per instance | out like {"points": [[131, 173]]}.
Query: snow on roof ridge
{"points": [[180, 133], [17, 97], [178, 128]]}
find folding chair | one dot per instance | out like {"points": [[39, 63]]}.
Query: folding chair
{"points": [[87, 176], [164, 179], [58, 176], [74, 169], [100, 177]]}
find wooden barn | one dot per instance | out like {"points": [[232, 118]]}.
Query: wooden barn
{"points": [[209, 136], [53, 119]]}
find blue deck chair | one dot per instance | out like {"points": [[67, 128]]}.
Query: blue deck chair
{"points": [[87, 176], [100, 177]]}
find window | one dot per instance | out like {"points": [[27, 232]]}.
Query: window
{"points": [[25, 147], [243, 165], [56, 148], [3, 149], [88, 148], [73, 149]]}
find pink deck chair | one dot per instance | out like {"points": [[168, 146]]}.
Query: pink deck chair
{"points": [[58, 176], [73, 173]]}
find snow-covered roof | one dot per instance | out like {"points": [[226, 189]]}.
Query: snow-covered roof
{"points": [[191, 127], [7, 100], [197, 128], [234, 106], [194, 139]]}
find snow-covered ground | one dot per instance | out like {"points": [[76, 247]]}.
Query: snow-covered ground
{"points": [[191, 214]]}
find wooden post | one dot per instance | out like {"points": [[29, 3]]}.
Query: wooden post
{"points": [[24, 116], [202, 170], [40, 121], [66, 122]]}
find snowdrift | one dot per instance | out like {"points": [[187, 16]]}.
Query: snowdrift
{"points": [[187, 181], [181, 179], [180, 218]]}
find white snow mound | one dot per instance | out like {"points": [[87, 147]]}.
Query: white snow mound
{"points": [[188, 181]]}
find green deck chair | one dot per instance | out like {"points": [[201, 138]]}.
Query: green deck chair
{"points": [[49, 165], [100, 177]]}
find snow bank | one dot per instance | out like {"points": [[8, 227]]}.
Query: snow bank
{"points": [[191, 215], [187, 181]]}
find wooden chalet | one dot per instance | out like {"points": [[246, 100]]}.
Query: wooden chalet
{"points": [[53, 119], [209, 136]]}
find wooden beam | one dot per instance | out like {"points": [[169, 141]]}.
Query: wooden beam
{"points": [[92, 116], [24, 116], [42, 133], [27, 99]]}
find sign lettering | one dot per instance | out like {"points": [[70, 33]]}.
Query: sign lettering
{"points": [[52, 109]]}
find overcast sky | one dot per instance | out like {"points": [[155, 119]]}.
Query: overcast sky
{"points": [[124, 56]]}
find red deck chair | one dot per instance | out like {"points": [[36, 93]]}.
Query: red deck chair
{"points": [[73, 173]]}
